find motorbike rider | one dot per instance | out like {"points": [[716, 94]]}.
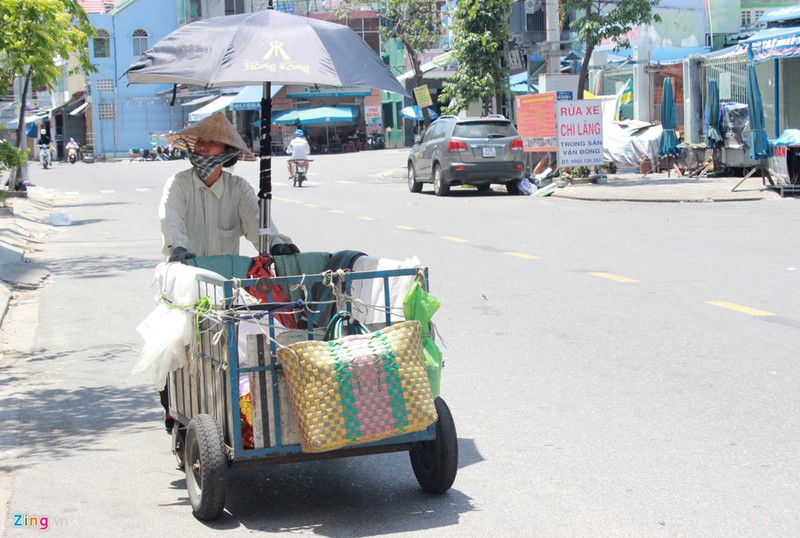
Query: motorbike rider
{"points": [[299, 149], [72, 145], [44, 140]]}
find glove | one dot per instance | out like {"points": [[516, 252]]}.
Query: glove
{"points": [[180, 254]]}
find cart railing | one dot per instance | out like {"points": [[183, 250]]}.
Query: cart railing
{"points": [[210, 381]]}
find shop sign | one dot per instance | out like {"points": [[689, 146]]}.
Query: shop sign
{"points": [[372, 115], [306, 92], [579, 125], [423, 96]]}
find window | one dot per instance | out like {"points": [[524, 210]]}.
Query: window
{"points": [[105, 85], [102, 44], [746, 18], [107, 111], [141, 40], [234, 7]]}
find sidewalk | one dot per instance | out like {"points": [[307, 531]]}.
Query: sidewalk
{"points": [[20, 229], [655, 188]]}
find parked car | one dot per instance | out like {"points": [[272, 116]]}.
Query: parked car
{"points": [[467, 151]]}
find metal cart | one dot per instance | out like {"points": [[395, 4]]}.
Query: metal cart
{"points": [[205, 393]]}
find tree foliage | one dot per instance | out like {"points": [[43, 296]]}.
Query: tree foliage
{"points": [[417, 24], [600, 20], [481, 30], [34, 34]]}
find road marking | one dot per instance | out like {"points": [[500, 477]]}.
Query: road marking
{"points": [[616, 278], [454, 239], [522, 255], [311, 205], [740, 308], [143, 190], [339, 211], [367, 218], [289, 200], [402, 227], [346, 182], [106, 192], [71, 193]]}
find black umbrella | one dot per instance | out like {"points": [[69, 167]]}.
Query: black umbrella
{"points": [[261, 48]]}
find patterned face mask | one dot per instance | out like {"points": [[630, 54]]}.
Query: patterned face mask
{"points": [[206, 164]]}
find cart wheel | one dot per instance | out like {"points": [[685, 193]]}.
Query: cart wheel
{"points": [[205, 464], [179, 443], [435, 463]]}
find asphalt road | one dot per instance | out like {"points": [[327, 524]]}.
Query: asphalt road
{"points": [[613, 369]]}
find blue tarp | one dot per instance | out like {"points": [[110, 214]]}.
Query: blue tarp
{"points": [[779, 14], [774, 43], [789, 137]]}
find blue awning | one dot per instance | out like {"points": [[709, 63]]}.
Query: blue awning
{"points": [[774, 43], [309, 116], [250, 97], [779, 14]]}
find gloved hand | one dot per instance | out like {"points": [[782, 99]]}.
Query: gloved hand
{"points": [[180, 254]]}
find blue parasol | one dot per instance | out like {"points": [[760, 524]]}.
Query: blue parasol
{"points": [[668, 143], [760, 147], [713, 136]]}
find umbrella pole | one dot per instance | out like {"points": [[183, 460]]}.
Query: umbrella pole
{"points": [[265, 171]]}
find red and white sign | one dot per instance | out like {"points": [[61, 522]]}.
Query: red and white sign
{"points": [[579, 127]]}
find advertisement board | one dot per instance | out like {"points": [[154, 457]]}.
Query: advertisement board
{"points": [[580, 133], [536, 121]]}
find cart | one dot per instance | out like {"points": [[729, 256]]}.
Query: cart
{"points": [[205, 393]]}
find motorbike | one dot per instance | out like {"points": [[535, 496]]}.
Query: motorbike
{"points": [[375, 141], [44, 156], [300, 171], [72, 155]]}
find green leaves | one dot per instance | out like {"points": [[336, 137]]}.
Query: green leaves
{"points": [[481, 28]]}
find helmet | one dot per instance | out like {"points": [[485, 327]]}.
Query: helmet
{"points": [[43, 131], [71, 139], [299, 132]]}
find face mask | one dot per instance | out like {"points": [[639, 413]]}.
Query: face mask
{"points": [[206, 164]]}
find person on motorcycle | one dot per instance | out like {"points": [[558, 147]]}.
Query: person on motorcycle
{"points": [[205, 210], [44, 147], [72, 144], [299, 149]]}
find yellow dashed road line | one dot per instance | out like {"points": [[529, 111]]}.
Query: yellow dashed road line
{"points": [[454, 239], [289, 200], [522, 255], [408, 228], [338, 211], [311, 205], [740, 308], [615, 278], [367, 218]]}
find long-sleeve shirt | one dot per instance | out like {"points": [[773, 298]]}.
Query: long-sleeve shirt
{"points": [[208, 221]]}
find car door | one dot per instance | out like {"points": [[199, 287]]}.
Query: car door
{"points": [[425, 152]]}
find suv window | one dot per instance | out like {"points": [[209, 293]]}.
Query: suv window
{"points": [[485, 129]]}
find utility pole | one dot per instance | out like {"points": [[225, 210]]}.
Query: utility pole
{"points": [[553, 33]]}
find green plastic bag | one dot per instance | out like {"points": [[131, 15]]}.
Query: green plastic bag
{"points": [[420, 305]]}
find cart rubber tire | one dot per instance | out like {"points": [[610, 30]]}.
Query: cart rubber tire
{"points": [[435, 463], [206, 465], [440, 188], [413, 184]]}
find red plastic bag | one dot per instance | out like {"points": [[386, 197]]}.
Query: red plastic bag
{"points": [[260, 268]]}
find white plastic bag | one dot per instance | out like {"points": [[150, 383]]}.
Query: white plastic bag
{"points": [[166, 334]]}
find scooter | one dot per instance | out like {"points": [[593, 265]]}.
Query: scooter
{"points": [[300, 171], [44, 156], [72, 155], [375, 141]]}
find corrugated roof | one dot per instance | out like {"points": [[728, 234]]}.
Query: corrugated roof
{"points": [[97, 6]]}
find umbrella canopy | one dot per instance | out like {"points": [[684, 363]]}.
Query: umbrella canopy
{"points": [[414, 112], [713, 136], [263, 47], [668, 144], [760, 147], [310, 116]]}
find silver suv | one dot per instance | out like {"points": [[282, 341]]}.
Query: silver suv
{"points": [[467, 151]]}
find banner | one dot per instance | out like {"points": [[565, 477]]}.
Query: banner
{"points": [[580, 133], [423, 96], [536, 121]]}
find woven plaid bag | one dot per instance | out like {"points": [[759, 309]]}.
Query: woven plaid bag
{"points": [[358, 388]]}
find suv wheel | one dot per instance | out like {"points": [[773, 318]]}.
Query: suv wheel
{"points": [[413, 184], [512, 187], [440, 188]]}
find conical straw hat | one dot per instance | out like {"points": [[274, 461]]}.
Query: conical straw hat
{"points": [[215, 127]]}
